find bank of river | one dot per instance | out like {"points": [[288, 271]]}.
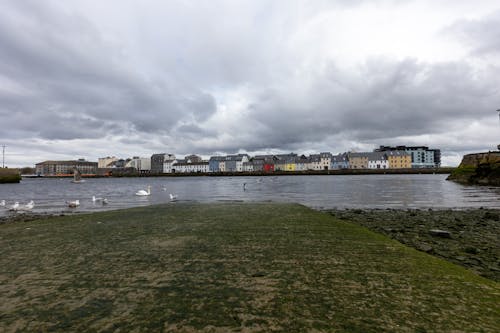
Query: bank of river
{"points": [[229, 267], [470, 238]]}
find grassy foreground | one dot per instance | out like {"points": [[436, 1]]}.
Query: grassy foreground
{"points": [[229, 267]]}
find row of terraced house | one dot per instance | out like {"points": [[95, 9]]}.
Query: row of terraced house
{"points": [[385, 157]]}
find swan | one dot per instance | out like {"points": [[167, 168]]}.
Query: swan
{"points": [[94, 199], [104, 201], [73, 204], [2, 203], [15, 206], [143, 193], [173, 197]]}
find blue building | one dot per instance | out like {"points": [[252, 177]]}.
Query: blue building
{"points": [[340, 161]]}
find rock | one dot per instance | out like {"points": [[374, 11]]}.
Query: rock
{"points": [[471, 250], [440, 233], [425, 248]]}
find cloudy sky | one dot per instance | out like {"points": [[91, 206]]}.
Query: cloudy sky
{"points": [[86, 79]]}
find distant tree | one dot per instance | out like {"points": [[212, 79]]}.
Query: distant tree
{"points": [[27, 171]]}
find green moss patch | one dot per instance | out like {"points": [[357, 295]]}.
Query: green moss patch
{"points": [[229, 267]]}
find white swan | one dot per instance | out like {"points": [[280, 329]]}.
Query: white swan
{"points": [[2, 203], [143, 193], [94, 199], [15, 206], [173, 197], [73, 204]]}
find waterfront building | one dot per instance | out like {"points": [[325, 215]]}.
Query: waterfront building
{"points": [[158, 160], [248, 166], [141, 164], [59, 168], [185, 166], [301, 163], [398, 159], [168, 164], [234, 163], [340, 161], [325, 160], [358, 160], [377, 160], [314, 162], [421, 156], [267, 162], [214, 163], [105, 162]]}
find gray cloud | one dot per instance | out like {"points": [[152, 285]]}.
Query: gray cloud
{"points": [[226, 76]]}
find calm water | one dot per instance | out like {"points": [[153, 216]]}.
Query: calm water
{"points": [[369, 191]]}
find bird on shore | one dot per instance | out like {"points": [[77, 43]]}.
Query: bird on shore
{"points": [[144, 193], [173, 197], [104, 201], [73, 204], [15, 206], [29, 206]]}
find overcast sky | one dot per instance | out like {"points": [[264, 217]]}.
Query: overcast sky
{"points": [[87, 79]]}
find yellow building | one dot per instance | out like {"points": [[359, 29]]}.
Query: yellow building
{"points": [[398, 159], [358, 160]]}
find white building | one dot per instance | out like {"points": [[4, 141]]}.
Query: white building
{"points": [[168, 163], [141, 164], [314, 162], [103, 162], [195, 167], [378, 160]]}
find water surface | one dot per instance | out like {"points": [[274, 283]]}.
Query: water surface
{"points": [[319, 192]]}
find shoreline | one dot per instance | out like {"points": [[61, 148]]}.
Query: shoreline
{"points": [[339, 172]]}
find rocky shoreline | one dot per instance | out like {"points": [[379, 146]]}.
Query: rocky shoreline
{"points": [[470, 238]]}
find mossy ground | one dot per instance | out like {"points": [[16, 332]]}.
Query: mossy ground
{"points": [[230, 267]]}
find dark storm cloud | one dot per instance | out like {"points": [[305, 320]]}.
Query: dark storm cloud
{"points": [[71, 84], [384, 98], [226, 76]]}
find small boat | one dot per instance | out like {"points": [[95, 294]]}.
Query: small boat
{"points": [[77, 177]]}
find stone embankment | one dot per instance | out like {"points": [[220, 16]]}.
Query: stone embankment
{"points": [[478, 169], [470, 238], [9, 176]]}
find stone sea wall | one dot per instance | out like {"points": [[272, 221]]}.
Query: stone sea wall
{"points": [[478, 169]]}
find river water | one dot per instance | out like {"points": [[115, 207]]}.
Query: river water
{"points": [[318, 192]]}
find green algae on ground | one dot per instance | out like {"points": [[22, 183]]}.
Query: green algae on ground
{"points": [[229, 267]]}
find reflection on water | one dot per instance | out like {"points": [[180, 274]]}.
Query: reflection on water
{"points": [[366, 191]]}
